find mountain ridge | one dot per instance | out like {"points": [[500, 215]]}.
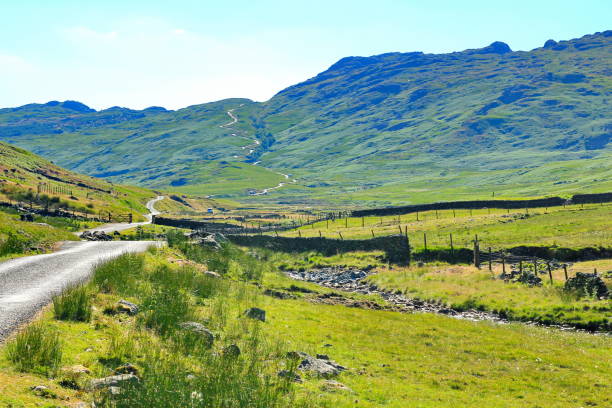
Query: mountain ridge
{"points": [[364, 123]]}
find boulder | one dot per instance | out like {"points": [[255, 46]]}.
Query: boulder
{"points": [[290, 375], [199, 329], [331, 386], [126, 369], [123, 306], [321, 367], [231, 351], [256, 313], [212, 274], [112, 381]]}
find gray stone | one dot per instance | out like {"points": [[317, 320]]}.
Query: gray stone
{"points": [[232, 351], [199, 329], [256, 313], [321, 367], [123, 306], [112, 381], [290, 375]]}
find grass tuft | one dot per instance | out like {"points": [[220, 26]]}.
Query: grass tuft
{"points": [[74, 304], [36, 349]]}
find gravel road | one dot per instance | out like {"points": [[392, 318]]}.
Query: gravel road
{"points": [[27, 284]]}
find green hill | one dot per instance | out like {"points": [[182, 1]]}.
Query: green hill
{"points": [[392, 128], [32, 180]]}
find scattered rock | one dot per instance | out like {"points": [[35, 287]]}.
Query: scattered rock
{"points": [[295, 288], [290, 375], [278, 294], [96, 236], [212, 274], [123, 306], [199, 329], [587, 284], [112, 381], [321, 367], [126, 369], [331, 385], [43, 391], [256, 313], [232, 351], [76, 369]]}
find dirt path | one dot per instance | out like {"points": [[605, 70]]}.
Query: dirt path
{"points": [[250, 148]]}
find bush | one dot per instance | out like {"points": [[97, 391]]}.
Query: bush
{"points": [[74, 304], [36, 349]]}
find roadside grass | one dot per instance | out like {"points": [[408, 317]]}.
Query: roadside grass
{"points": [[19, 237], [394, 360], [73, 304], [36, 349], [570, 227]]}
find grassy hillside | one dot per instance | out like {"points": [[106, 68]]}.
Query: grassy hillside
{"points": [[28, 178], [387, 129]]}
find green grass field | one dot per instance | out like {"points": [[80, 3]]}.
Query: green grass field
{"points": [[393, 359], [571, 227]]}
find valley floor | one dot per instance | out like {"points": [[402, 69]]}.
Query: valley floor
{"points": [[393, 359]]}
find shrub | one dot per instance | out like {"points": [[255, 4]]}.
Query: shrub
{"points": [[36, 349], [74, 304]]}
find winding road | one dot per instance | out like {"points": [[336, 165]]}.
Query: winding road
{"points": [[106, 228], [27, 284]]}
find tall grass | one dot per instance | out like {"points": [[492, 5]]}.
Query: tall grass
{"points": [[36, 349], [120, 275], [229, 260], [73, 304]]}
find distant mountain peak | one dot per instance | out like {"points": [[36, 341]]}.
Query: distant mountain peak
{"points": [[497, 47]]}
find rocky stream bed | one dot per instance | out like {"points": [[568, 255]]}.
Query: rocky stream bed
{"points": [[353, 280]]}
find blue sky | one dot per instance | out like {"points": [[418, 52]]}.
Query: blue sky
{"points": [[182, 52]]}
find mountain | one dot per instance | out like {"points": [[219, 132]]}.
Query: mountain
{"points": [[391, 128]]}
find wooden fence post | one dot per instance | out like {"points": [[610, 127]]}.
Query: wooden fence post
{"points": [[417, 215], [503, 257], [341, 237], [491, 260], [372, 233], [549, 272], [300, 233], [476, 254], [362, 222], [401, 231], [451, 245], [521, 267], [320, 235], [535, 266], [327, 223], [565, 271], [346, 222], [425, 241]]}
